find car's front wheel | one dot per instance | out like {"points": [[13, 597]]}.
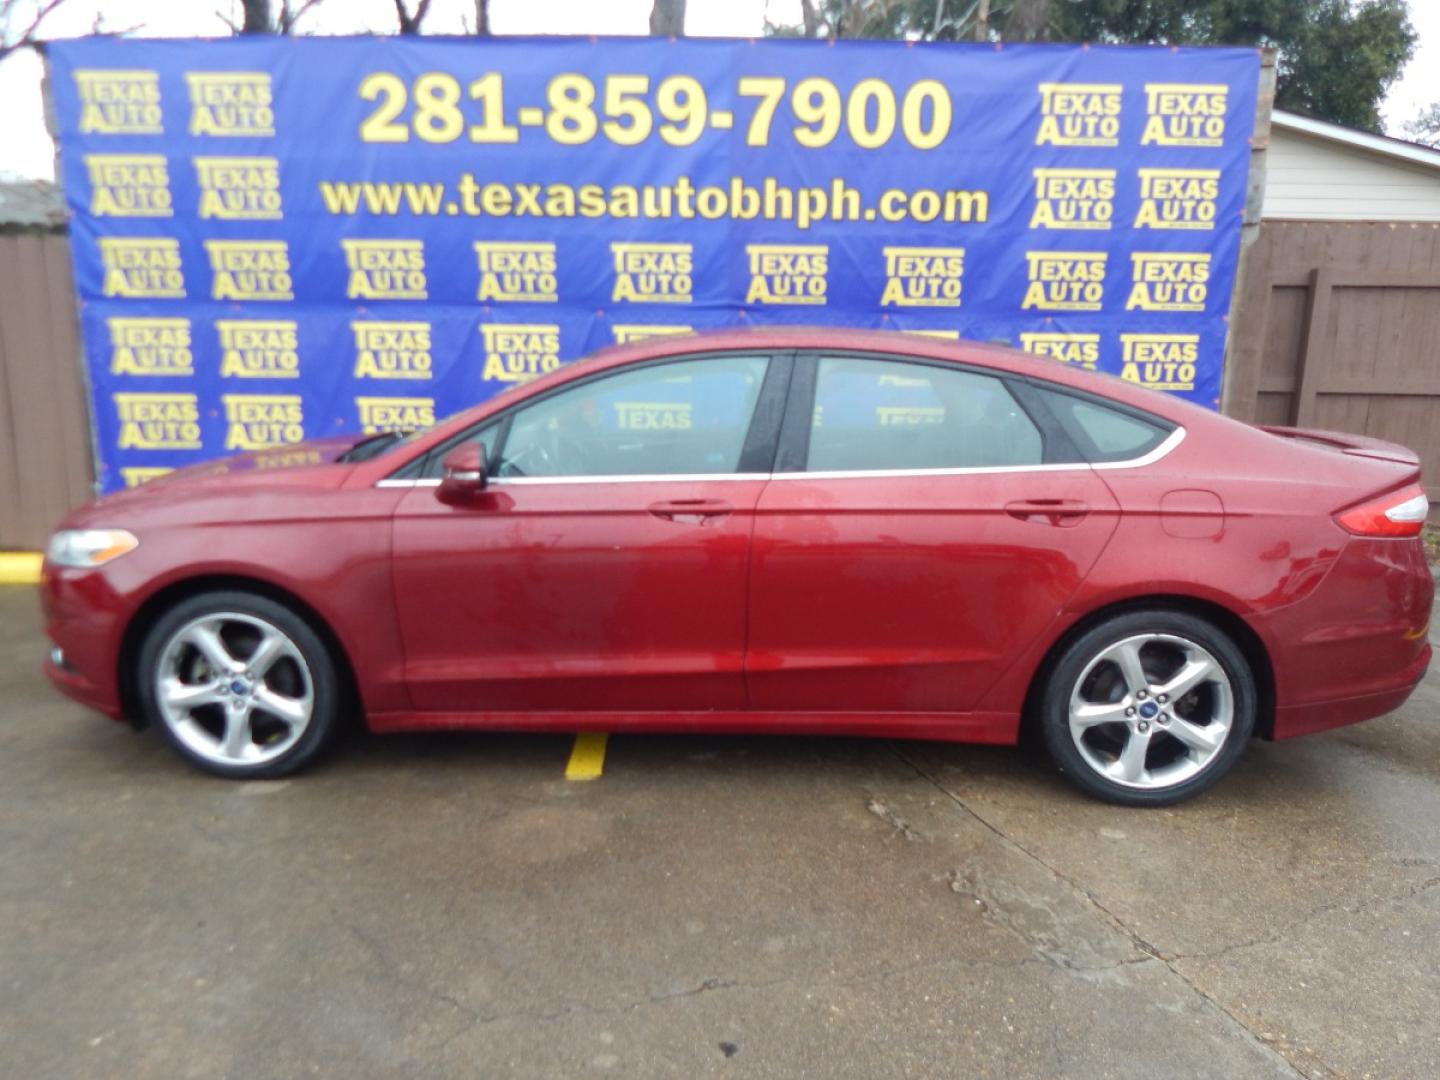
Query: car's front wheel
{"points": [[1148, 708], [239, 685]]}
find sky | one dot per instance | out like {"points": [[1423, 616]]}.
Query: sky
{"points": [[26, 149]]}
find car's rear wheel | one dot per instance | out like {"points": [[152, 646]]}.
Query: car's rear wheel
{"points": [[239, 685], [1148, 708]]}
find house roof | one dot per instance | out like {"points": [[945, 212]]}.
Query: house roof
{"points": [[1382, 145]]}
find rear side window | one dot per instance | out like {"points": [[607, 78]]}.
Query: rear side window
{"points": [[887, 414], [1104, 433]]}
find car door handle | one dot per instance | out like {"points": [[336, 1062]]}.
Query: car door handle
{"points": [[691, 511], [1063, 513]]}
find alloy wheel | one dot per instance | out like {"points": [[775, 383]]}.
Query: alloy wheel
{"points": [[234, 689], [1151, 711]]}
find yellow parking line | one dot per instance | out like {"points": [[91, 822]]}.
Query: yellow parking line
{"points": [[20, 568], [587, 759]]}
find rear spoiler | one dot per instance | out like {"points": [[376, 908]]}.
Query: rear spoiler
{"points": [[1356, 445]]}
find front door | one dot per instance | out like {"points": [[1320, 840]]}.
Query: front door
{"points": [[920, 543], [604, 567]]}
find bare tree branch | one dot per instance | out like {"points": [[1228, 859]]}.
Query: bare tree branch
{"points": [[810, 17], [410, 23], [257, 18], [1029, 20], [860, 16], [99, 29], [29, 34], [667, 18], [290, 16]]}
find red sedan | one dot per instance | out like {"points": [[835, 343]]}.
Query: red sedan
{"points": [[788, 531]]}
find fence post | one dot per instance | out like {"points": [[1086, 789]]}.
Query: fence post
{"points": [[1314, 347]]}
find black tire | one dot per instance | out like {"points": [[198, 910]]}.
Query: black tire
{"points": [[1076, 657], [326, 689]]}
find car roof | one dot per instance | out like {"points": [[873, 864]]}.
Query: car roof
{"points": [[819, 338], [898, 343]]}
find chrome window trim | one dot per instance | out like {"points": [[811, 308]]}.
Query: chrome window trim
{"points": [[1174, 439], [1171, 441], [526, 481], [972, 470], [650, 478]]}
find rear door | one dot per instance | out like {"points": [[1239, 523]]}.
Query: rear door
{"points": [[925, 523], [604, 566]]}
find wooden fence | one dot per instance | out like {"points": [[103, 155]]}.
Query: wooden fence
{"points": [[45, 451], [1338, 326]]}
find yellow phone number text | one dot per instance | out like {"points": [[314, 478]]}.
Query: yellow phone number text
{"points": [[624, 111]]}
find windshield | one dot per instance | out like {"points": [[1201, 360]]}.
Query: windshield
{"points": [[386, 442]]}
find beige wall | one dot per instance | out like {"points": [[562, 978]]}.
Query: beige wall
{"points": [[1313, 179]]}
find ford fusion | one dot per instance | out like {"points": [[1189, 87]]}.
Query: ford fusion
{"points": [[810, 531]]}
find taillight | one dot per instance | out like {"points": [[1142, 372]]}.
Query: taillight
{"points": [[1400, 513]]}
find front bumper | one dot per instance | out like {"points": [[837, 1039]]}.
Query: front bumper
{"points": [[80, 688], [83, 619]]}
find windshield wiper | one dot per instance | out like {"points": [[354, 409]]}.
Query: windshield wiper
{"points": [[372, 446]]}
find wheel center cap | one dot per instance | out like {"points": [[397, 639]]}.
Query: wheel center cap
{"points": [[1149, 709], [240, 687]]}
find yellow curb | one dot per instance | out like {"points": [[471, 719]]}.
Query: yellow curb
{"points": [[587, 758], [20, 567]]}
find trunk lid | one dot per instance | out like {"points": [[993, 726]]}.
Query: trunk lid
{"points": [[1358, 467], [1346, 443]]}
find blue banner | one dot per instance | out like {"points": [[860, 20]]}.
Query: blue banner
{"points": [[277, 239]]}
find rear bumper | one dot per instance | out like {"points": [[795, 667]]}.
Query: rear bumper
{"points": [[1358, 645], [1292, 720]]}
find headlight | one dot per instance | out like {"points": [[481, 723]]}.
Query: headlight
{"points": [[85, 549]]}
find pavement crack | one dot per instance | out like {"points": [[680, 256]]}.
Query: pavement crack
{"points": [[883, 811], [1350, 907], [1150, 950], [703, 988], [1046, 941], [715, 984], [382, 956], [575, 1008], [1114, 920]]}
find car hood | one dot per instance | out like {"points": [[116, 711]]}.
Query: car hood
{"points": [[324, 451], [302, 467]]}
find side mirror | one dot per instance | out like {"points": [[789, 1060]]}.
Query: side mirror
{"points": [[465, 474]]}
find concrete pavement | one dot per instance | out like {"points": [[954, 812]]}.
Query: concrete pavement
{"points": [[451, 906]]}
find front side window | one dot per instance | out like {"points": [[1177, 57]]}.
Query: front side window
{"points": [[883, 414], [685, 417], [432, 465]]}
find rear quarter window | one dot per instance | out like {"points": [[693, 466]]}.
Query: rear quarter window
{"points": [[1105, 433]]}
